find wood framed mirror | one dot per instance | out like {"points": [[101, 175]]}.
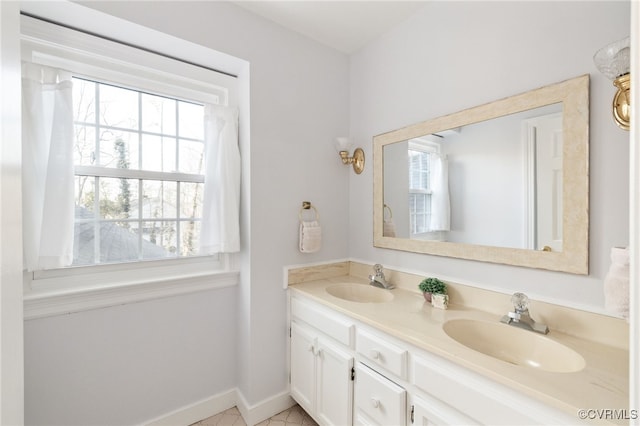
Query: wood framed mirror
{"points": [[504, 182]]}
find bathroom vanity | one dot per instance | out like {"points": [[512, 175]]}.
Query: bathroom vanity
{"points": [[363, 355]]}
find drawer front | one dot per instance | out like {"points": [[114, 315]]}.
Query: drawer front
{"points": [[484, 401], [382, 353], [377, 399], [329, 323]]}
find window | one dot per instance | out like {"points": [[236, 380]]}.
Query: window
{"points": [[139, 174], [140, 190], [420, 190], [139, 167]]}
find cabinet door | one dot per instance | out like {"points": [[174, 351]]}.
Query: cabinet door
{"points": [[378, 401], [334, 400], [436, 413], [303, 372]]}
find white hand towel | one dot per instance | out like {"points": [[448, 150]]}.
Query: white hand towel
{"points": [[310, 236], [616, 283], [388, 228]]}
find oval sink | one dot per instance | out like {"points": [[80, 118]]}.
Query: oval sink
{"points": [[360, 293], [515, 346]]}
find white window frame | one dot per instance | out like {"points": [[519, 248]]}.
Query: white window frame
{"points": [[72, 289], [427, 147]]}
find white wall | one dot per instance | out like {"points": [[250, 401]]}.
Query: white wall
{"points": [[11, 312], [455, 55], [299, 98], [131, 363], [300, 94]]}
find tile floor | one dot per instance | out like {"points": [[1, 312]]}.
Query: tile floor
{"points": [[231, 417]]}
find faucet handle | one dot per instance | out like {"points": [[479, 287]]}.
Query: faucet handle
{"points": [[377, 268], [520, 302]]}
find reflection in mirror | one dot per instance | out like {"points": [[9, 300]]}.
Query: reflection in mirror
{"points": [[495, 183], [503, 182]]}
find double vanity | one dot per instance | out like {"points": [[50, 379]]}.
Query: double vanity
{"points": [[366, 355]]}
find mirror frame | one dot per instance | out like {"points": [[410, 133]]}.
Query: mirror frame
{"points": [[574, 258]]}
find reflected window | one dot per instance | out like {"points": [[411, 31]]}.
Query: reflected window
{"points": [[420, 190]]}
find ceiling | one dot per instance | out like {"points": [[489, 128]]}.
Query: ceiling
{"points": [[344, 25]]}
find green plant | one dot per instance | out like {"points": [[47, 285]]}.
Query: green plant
{"points": [[433, 285]]}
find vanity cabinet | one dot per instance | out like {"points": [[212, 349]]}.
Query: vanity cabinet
{"points": [[395, 383], [322, 364]]}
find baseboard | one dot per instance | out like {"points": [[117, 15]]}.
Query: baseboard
{"points": [[197, 411], [201, 410], [266, 408]]}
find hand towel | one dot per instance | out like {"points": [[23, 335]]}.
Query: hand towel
{"points": [[616, 283], [310, 236], [388, 228]]}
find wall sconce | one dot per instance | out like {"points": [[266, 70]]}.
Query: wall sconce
{"points": [[343, 146], [613, 61]]}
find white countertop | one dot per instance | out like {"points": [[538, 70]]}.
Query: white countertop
{"points": [[602, 384]]}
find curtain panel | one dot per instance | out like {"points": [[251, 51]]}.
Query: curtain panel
{"points": [[221, 200], [47, 174]]}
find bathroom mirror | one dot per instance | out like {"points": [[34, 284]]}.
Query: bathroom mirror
{"points": [[505, 182]]}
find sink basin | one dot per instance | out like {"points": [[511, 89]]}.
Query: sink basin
{"points": [[515, 346], [361, 293]]}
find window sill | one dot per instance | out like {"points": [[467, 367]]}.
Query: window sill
{"points": [[41, 303]]}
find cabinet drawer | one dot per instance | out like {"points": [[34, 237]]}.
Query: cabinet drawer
{"points": [[484, 401], [382, 353], [377, 399], [330, 323]]}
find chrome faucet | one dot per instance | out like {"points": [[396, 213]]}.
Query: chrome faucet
{"points": [[378, 279], [520, 316]]}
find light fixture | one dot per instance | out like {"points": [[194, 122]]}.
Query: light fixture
{"points": [[343, 146], [613, 61]]}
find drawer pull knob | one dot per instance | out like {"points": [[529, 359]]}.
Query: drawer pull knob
{"points": [[375, 354], [375, 403]]}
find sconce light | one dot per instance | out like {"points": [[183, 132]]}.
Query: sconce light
{"points": [[613, 61], [343, 146]]}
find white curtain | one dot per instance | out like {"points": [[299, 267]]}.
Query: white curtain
{"points": [[47, 176], [221, 204], [440, 205]]}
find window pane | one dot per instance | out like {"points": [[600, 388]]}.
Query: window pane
{"points": [[118, 198], [118, 107], [83, 243], [159, 199], [118, 242], [191, 200], [85, 194], [191, 157], [191, 120], [119, 149], [419, 170], [158, 114], [84, 147], [190, 238], [84, 101], [158, 153], [159, 239]]}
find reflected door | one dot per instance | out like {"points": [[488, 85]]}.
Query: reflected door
{"points": [[548, 172]]}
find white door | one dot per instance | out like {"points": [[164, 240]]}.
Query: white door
{"points": [[549, 181], [303, 373], [334, 403], [545, 181]]}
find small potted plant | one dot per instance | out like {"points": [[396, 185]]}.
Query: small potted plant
{"points": [[430, 286]]}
